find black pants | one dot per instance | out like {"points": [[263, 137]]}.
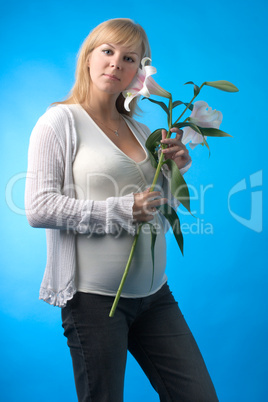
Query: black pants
{"points": [[152, 329]]}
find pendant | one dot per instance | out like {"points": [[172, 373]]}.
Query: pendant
{"points": [[116, 133]]}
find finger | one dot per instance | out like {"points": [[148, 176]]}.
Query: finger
{"points": [[185, 157], [157, 203], [148, 218], [152, 195], [164, 134], [182, 153], [172, 141], [152, 204], [178, 131], [146, 193], [174, 149], [179, 134], [176, 140], [145, 218], [151, 210]]}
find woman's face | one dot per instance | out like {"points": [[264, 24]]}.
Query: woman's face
{"points": [[112, 67]]}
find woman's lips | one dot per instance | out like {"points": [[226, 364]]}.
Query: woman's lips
{"points": [[112, 77]]}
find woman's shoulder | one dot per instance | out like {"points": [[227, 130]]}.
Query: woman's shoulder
{"points": [[56, 124], [56, 116]]}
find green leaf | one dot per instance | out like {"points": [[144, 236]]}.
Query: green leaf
{"points": [[153, 159], [209, 132], [206, 144], [153, 239], [222, 85], [178, 185], [196, 87], [173, 219], [151, 144], [189, 107], [213, 132], [177, 103], [153, 139], [162, 104], [188, 124]]}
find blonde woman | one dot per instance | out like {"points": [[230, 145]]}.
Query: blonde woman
{"points": [[88, 179]]}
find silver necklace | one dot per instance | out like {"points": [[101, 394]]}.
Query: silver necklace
{"points": [[116, 132]]}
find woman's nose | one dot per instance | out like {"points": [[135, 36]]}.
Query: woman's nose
{"points": [[115, 64]]}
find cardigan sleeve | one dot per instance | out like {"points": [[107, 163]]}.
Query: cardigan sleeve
{"points": [[50, 199]]}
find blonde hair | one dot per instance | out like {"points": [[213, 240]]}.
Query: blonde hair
{"points": [[119, 31]]}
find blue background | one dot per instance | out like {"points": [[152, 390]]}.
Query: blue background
{"points": [[221, 282]]}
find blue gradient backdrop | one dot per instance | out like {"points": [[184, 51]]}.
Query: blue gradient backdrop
{"points": [[221, 282]]}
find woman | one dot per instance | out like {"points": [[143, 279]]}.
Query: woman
{"points": [[88, 179]]}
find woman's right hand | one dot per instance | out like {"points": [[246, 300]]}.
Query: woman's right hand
{"points": [[145, 204]]}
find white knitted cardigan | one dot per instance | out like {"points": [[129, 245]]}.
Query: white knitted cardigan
{"points": [[50, 201]]}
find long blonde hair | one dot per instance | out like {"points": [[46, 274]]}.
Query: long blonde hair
{"points": [[119, 31]]}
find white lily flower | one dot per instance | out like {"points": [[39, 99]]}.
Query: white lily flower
{"points": [[143, 84], [203, 116]]}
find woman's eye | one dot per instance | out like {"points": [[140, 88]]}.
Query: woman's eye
{"points": [[129, 59], [107, 51]]}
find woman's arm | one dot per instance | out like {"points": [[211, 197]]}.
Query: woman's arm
{"points": [[50, 201]]}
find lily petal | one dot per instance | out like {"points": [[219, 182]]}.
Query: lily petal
{"points": [[202, 116], [128, 100], [143, 84]]}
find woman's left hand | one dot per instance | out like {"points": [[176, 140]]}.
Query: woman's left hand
{"points": [[175, 150]]}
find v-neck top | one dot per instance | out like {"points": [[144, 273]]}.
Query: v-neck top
{"points": [[102, 170]]}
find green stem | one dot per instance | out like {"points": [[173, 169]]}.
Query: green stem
{"points": [[160, 162], [157, 172], [124, 277], [187, 107]]}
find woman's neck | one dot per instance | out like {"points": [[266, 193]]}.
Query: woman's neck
{"points": [[103, 107]]}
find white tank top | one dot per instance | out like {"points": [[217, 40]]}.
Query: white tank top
{"points": [[102, 170]]}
